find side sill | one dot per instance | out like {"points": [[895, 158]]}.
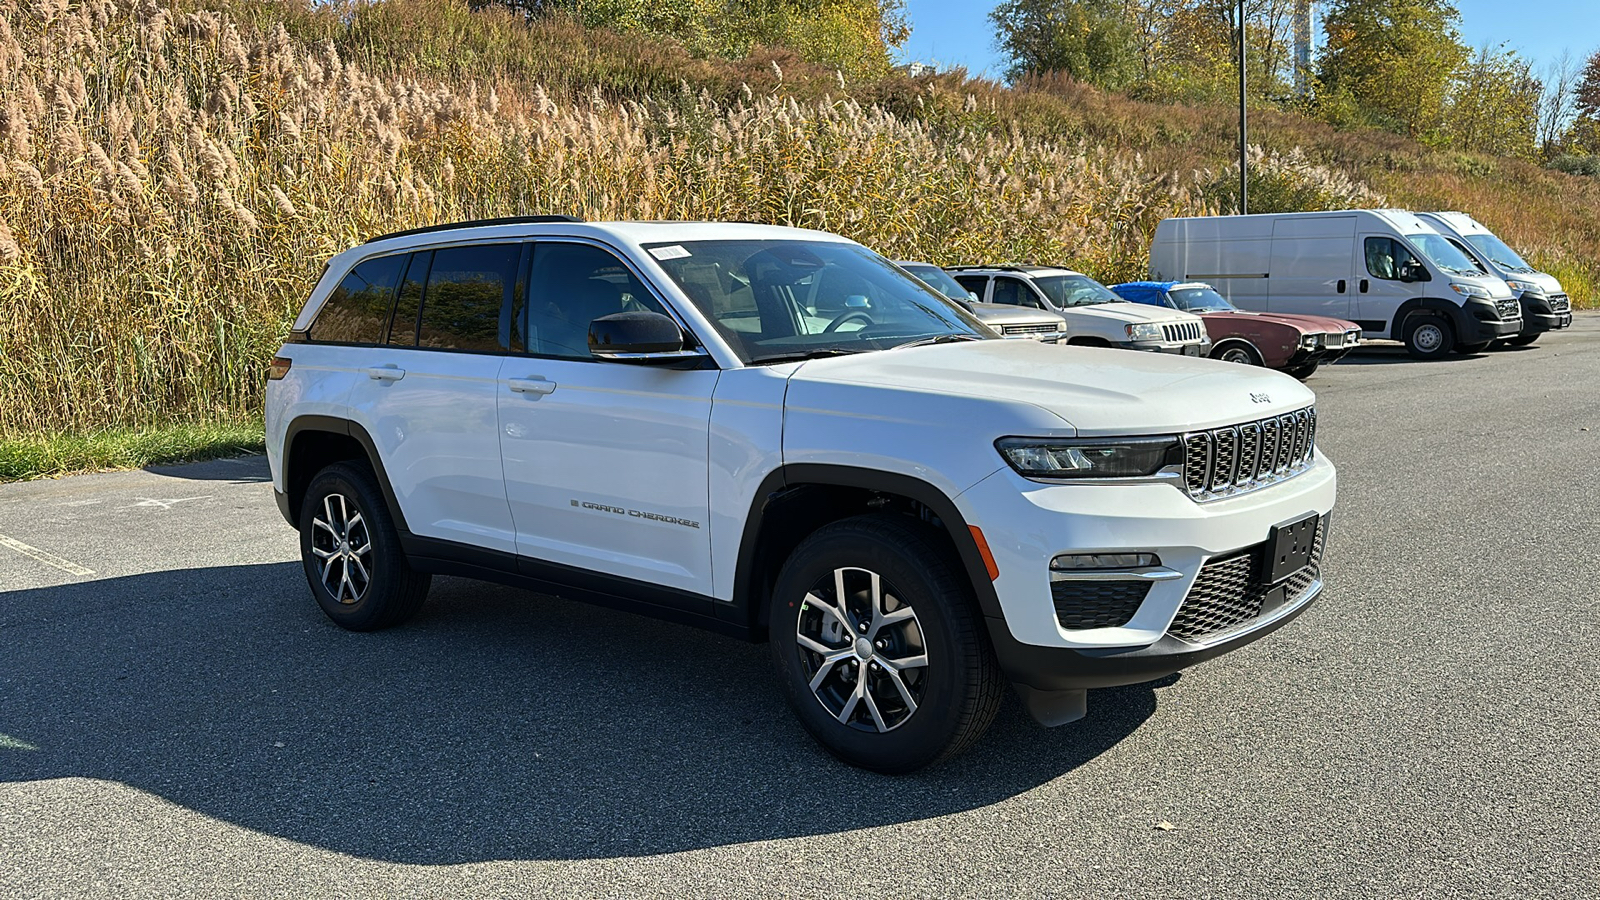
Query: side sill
{"points": [[440, 557]]}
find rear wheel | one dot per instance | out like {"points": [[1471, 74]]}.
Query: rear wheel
{"points": [[1429, 337], [351, 552], [878, 646], [1522, 340]]}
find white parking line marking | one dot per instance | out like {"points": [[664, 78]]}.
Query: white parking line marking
{"points": [[163, 504], [49, 559]]}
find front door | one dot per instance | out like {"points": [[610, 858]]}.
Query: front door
{"points": [[1380, 259], [606, 463]]}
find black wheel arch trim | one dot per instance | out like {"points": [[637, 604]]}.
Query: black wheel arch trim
{"points": [[348, 428], [1461, 319], [745, 589]]}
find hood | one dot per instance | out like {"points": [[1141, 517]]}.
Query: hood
{"points": [[1004, 314], [1097, 391], [1132, 312], [1306, 324], [1544, 280]]}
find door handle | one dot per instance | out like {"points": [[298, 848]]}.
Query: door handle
{"points": [[387, 372], [1363, 285], [1341, 285], [530, 385]]}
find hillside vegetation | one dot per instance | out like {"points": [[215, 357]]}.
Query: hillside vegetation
{"points": [[172, 177]]}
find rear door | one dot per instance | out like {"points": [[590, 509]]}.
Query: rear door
{"points": [[977, 284], [429, 395], [1310, 270], [606, 463]]}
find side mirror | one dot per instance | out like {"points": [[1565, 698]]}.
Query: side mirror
{"points": [[1413, 272], [638, 337], [973, 295]]}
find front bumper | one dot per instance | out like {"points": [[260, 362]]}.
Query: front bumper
{"points": [[1479, 321], [1027, 524], [1190, 348], [1540, 315]]}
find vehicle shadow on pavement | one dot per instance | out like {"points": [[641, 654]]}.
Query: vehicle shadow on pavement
{"points": [[246, 469], [499, 724]]}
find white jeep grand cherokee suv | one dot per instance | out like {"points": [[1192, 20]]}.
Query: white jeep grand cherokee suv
{"points": [[1095, 316], [707, 423]]}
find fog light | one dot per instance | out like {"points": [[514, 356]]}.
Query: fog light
{"points": [[1068, 562]]}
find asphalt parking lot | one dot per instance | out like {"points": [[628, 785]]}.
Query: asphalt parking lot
{"points": [[177, 718]]}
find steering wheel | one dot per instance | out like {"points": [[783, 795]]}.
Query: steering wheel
{"points": [[848, 315]]}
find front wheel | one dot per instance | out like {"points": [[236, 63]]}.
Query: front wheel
{"points": [[1429, 337], [1243, 354], [351, 552], [879, 648]]}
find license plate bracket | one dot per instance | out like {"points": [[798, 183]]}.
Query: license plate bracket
{"points": [[1289, 548]]}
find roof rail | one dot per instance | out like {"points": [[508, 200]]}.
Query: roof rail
{"points": [[476, 223], [1008, 267]]}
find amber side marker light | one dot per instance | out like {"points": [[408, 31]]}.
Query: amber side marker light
{"points": [[279, 368], [983, 551]]}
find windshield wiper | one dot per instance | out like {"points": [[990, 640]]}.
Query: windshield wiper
{"points": [[939, 339], [798, 355]]}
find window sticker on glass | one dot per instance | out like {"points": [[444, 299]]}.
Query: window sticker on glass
{"points": [[672, 252]]}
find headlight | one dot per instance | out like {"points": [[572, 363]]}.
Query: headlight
{"points": [[1526, 287], [1352, 337], [1144, 331], [1467, 290], [1089, 457], [1311, 341]]}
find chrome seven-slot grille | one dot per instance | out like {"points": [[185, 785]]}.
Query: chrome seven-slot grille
{"points": [[1230, 592], [1509, 309], [1559, 303], [1041, 328], [1181, 331], [1238, 458]]}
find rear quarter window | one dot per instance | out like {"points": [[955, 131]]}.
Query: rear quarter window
{"points": [[467, 304], [358, 310]]}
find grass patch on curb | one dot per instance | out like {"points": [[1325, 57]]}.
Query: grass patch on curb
{"points": [[42, 455]]}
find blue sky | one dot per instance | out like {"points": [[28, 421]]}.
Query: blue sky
{"points": [[957, 32]]}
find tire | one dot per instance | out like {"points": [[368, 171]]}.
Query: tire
{"points": [[359, 589], [1469, 349], [946, 703], [1305, 371], [1429, 337], [1522, 340], [1237, 352]]}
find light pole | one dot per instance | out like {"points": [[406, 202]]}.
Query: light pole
{"points": [[1244, 141]]}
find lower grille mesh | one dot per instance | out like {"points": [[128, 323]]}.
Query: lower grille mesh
{"points": [[1229, 592], [1097, 604]]}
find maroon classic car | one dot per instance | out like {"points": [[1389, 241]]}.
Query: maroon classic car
{"points": [[1292, 343]]}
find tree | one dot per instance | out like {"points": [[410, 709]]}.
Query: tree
{"points": [[1392, 62], [1091, 40], [1494, 105], [1584, 135], [1557, 105]]}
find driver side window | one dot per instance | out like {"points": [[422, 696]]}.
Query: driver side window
{"points": [[1387, 258], [1013, 292]]}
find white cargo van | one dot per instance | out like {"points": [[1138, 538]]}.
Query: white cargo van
{"points": [[1545, 306], [1385, 269]]}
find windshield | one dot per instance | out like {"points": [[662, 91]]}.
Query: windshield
{"points": [[785, 299], [1199, 300], [1074, 290], [939, 280], [1498, 253], [1442, 254]]}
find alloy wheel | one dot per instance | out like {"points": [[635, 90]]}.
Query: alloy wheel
{"points": [[862, 650], [342, 545]]}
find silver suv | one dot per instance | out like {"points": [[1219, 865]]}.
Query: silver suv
{"points": [[1094, 315], [1016, 322]]}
